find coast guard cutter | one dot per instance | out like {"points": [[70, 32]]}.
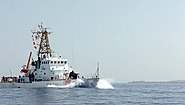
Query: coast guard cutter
{"points": [[48, 70]]}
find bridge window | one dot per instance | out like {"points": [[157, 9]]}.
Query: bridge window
{"points": [[65, 62], [61, 62], [55, 62], [58, 62], [51, 62]]}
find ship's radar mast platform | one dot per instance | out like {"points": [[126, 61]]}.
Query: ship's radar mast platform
{"points": [[43, 41]]}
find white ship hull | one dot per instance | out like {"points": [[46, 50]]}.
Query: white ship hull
{"points": [[87, 83]]}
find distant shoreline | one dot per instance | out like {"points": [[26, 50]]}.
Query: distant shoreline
{"points": [[173, 81]]}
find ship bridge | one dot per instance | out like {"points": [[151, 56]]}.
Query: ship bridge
{"points": [[52, 68]]}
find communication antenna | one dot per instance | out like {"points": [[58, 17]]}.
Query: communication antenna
{"points": [[98, 70], [11, 72], [44, 45]]}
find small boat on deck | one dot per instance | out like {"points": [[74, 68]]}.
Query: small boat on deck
{"points": [[48, 69]]}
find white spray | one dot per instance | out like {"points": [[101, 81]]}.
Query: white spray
{"points": [[104, 84], [71, 85]]}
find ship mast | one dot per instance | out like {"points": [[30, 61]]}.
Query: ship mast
{"points": [[44, 46]]}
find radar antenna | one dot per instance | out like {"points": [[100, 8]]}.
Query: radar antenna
{"points": [[43, 41]]}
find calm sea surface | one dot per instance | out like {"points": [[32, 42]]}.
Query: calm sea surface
{"points": [[123, 94]]}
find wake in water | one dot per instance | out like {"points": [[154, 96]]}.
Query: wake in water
{"points": [[71, 85], [103, 84]]}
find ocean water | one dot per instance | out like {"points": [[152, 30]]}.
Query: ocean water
{"points": [[122, 94]]}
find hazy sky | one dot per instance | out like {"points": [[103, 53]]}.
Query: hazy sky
{"points": [[132, 39]]}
